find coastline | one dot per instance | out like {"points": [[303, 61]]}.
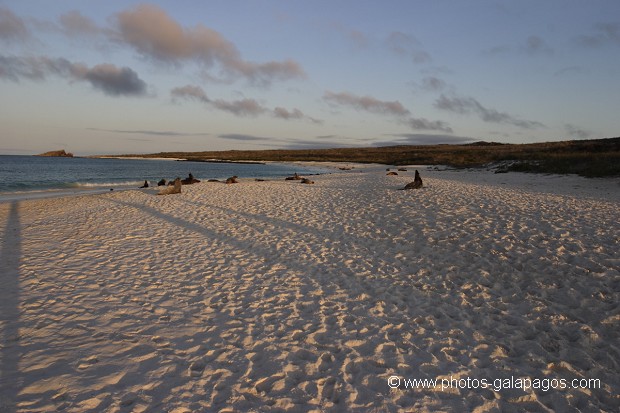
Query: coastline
{"points": [[309, 297]]}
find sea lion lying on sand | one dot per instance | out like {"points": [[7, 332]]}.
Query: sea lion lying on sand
{"points": [[293, 178], [306, 181], [232, 180], [146, 185], [176, 189], [391, 173], [190, 180]]}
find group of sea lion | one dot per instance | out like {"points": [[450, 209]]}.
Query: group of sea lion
{"points": [[175, 186], [297, 177], [417, 180]]}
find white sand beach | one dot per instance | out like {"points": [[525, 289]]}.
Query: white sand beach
{"points": [[278, 296]]}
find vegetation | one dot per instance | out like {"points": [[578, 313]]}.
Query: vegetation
{"points": [[591, 158]]}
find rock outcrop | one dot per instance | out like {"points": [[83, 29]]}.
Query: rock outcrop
{"points": [[58, 154]]}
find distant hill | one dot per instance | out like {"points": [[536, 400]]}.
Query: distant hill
{"points": [[592, 158], [59, 154]]}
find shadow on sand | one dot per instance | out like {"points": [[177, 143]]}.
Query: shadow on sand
{"points": [[10, 255]]}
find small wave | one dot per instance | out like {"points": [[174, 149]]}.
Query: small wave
{"points": [[105, 184]]}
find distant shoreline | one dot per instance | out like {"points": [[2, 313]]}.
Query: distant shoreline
{"points": [[589, 158]]}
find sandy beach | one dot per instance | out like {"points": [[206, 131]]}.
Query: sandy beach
{"points": [[278, 296]]}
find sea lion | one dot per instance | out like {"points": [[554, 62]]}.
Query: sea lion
{"points": [[417, 182], [175, 189], [190, 180]]}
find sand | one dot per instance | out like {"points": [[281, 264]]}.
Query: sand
{"points": [[278, 296]]}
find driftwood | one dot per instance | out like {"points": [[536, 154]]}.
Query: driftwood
{"points": [[175, 189]]}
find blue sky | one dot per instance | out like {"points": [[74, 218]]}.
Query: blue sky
{"points": [[130, 77]]}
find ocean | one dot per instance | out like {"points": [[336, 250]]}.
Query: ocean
{"points": [[25, 177]]}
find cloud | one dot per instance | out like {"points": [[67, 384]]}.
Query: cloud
{"points": [[571, 70], [425, 124], [429, 84], [537, 46], [152, 33], [604, 34], [366, 103], [190, 92], [243, 107], [76, 24], [575, 131], [425, 139], [382, 107], [108, 78], [406, 45], [356, 37], [283, 113], [294, 114], [468, 105], [496, 50], [149, 132], [12, 27], [242, 137], [115, 81], [533, 46]]}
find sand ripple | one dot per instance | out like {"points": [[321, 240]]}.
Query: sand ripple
{"points": [[286, 297]]}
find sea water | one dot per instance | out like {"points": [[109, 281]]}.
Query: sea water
{"points": [[23, 177]]}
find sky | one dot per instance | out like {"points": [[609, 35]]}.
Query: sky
{"points": [[118, 77]]}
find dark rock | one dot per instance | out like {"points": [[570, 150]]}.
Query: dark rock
{"points": [[60, 154]]}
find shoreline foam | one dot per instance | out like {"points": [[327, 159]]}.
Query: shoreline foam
{"points": [[281, 296]]}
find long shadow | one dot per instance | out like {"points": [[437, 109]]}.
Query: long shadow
{"points": [[10, 256]]}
